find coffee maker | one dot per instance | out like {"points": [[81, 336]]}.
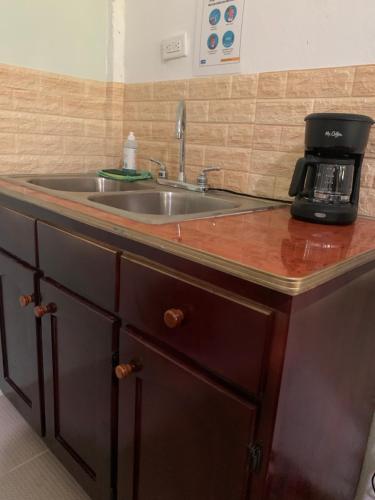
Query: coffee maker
{"points": [[326, 182]]}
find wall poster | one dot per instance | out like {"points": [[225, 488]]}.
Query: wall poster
{"points": [[218, 39]]}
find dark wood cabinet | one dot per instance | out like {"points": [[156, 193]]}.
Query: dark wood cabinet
{"points": [[79, 342], [20, 374], [180, 436], [215, 388]]}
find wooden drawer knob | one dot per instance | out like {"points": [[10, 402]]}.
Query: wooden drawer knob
{"points": [[42, 310], [124, 371], [26, 300], [173, 318]]}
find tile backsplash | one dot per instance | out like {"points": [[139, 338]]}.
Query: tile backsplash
{"points": [[251, 126], [55, 123]]}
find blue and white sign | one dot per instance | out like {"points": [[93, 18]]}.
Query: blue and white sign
{"points": [[219, 33]]}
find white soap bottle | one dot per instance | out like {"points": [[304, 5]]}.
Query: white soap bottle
{"points": [[130, 152]]}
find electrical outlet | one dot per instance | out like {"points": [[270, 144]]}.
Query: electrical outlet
{"points": [[174, 47]]}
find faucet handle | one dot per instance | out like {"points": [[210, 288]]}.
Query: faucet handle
{"points": [[209, 169], [202, 179], [162, 174]]}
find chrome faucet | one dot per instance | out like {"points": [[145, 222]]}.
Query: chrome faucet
{"points": [[202, 181], [180, 134]]}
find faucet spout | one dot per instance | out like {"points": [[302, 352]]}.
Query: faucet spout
{"points": [[180, 134]]}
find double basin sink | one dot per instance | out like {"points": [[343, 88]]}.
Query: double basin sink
{"points": [[146, 201]]}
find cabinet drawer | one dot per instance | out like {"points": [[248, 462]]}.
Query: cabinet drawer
{"points": [[85, 267], [225, 334], [17, 235]]}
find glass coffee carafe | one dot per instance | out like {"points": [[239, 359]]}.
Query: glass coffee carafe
{"points": [[330, 181]]}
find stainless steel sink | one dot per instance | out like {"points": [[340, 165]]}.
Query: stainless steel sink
{"points": [[144, 201], [84, 184], [165, 203]]}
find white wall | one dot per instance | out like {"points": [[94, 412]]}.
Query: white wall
{"points": [[62, 36], [278, 35]]}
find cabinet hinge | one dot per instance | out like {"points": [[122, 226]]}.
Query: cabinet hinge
{"points": [[256, 457]]}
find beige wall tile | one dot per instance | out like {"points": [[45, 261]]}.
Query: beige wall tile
{"points": [[361, 105], [37, 102], [292, 139], [85, 107], [113, 128], [139, 91], [114, 109], [61, 164], [130, 111], [232, 111], [142, 130], [11, 164], [368, 173], [94, 163], [194, 154], [19, 78], [261, 185], [272, 84], [155, 111], [170, 90], [6, 99], [163, 131], [7, 144], [244, 86], [197, 111], [283, 112], [370, 151], [116, 90], [217, 87], [282, 185], [330, 82], [58, 84], [156, 150], [267, 137], [31, 144], [228, 158], [113, 147], [240, 135], [236, 181], [14, 121], [364, 81], [60, 125], [273, 163], [96, 89], [367, 202], [207, 133], [84, 146]]}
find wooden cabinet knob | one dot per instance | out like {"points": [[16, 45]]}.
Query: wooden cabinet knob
{"points": [[26, 300], [125, 370], [42, 310], [173, 318]]}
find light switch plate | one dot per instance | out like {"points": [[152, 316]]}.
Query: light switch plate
{"points": [[174, 47]]}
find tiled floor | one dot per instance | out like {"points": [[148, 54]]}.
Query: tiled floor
{"points": [[28, 471]]}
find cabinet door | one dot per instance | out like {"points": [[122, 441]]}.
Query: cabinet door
{"points": [[78, 344], [180, 437], [20, 340]]}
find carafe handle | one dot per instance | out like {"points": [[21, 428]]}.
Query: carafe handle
{"points": [[299, 175]]}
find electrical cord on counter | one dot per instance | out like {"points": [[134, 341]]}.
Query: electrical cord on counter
{"points": [[373, 482]]}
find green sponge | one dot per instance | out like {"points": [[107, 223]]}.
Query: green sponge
{"points": [[125, 175]]}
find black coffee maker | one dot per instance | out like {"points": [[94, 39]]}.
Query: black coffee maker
{"points": [[326, 182]]}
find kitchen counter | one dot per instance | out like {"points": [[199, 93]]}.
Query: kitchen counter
{"points": [[267, 248]]}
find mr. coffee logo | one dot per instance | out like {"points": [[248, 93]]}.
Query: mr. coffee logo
{"points": [[333, 133]]}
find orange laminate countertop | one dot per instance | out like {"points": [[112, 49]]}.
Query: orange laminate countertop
{"points": [[268, 248]]}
